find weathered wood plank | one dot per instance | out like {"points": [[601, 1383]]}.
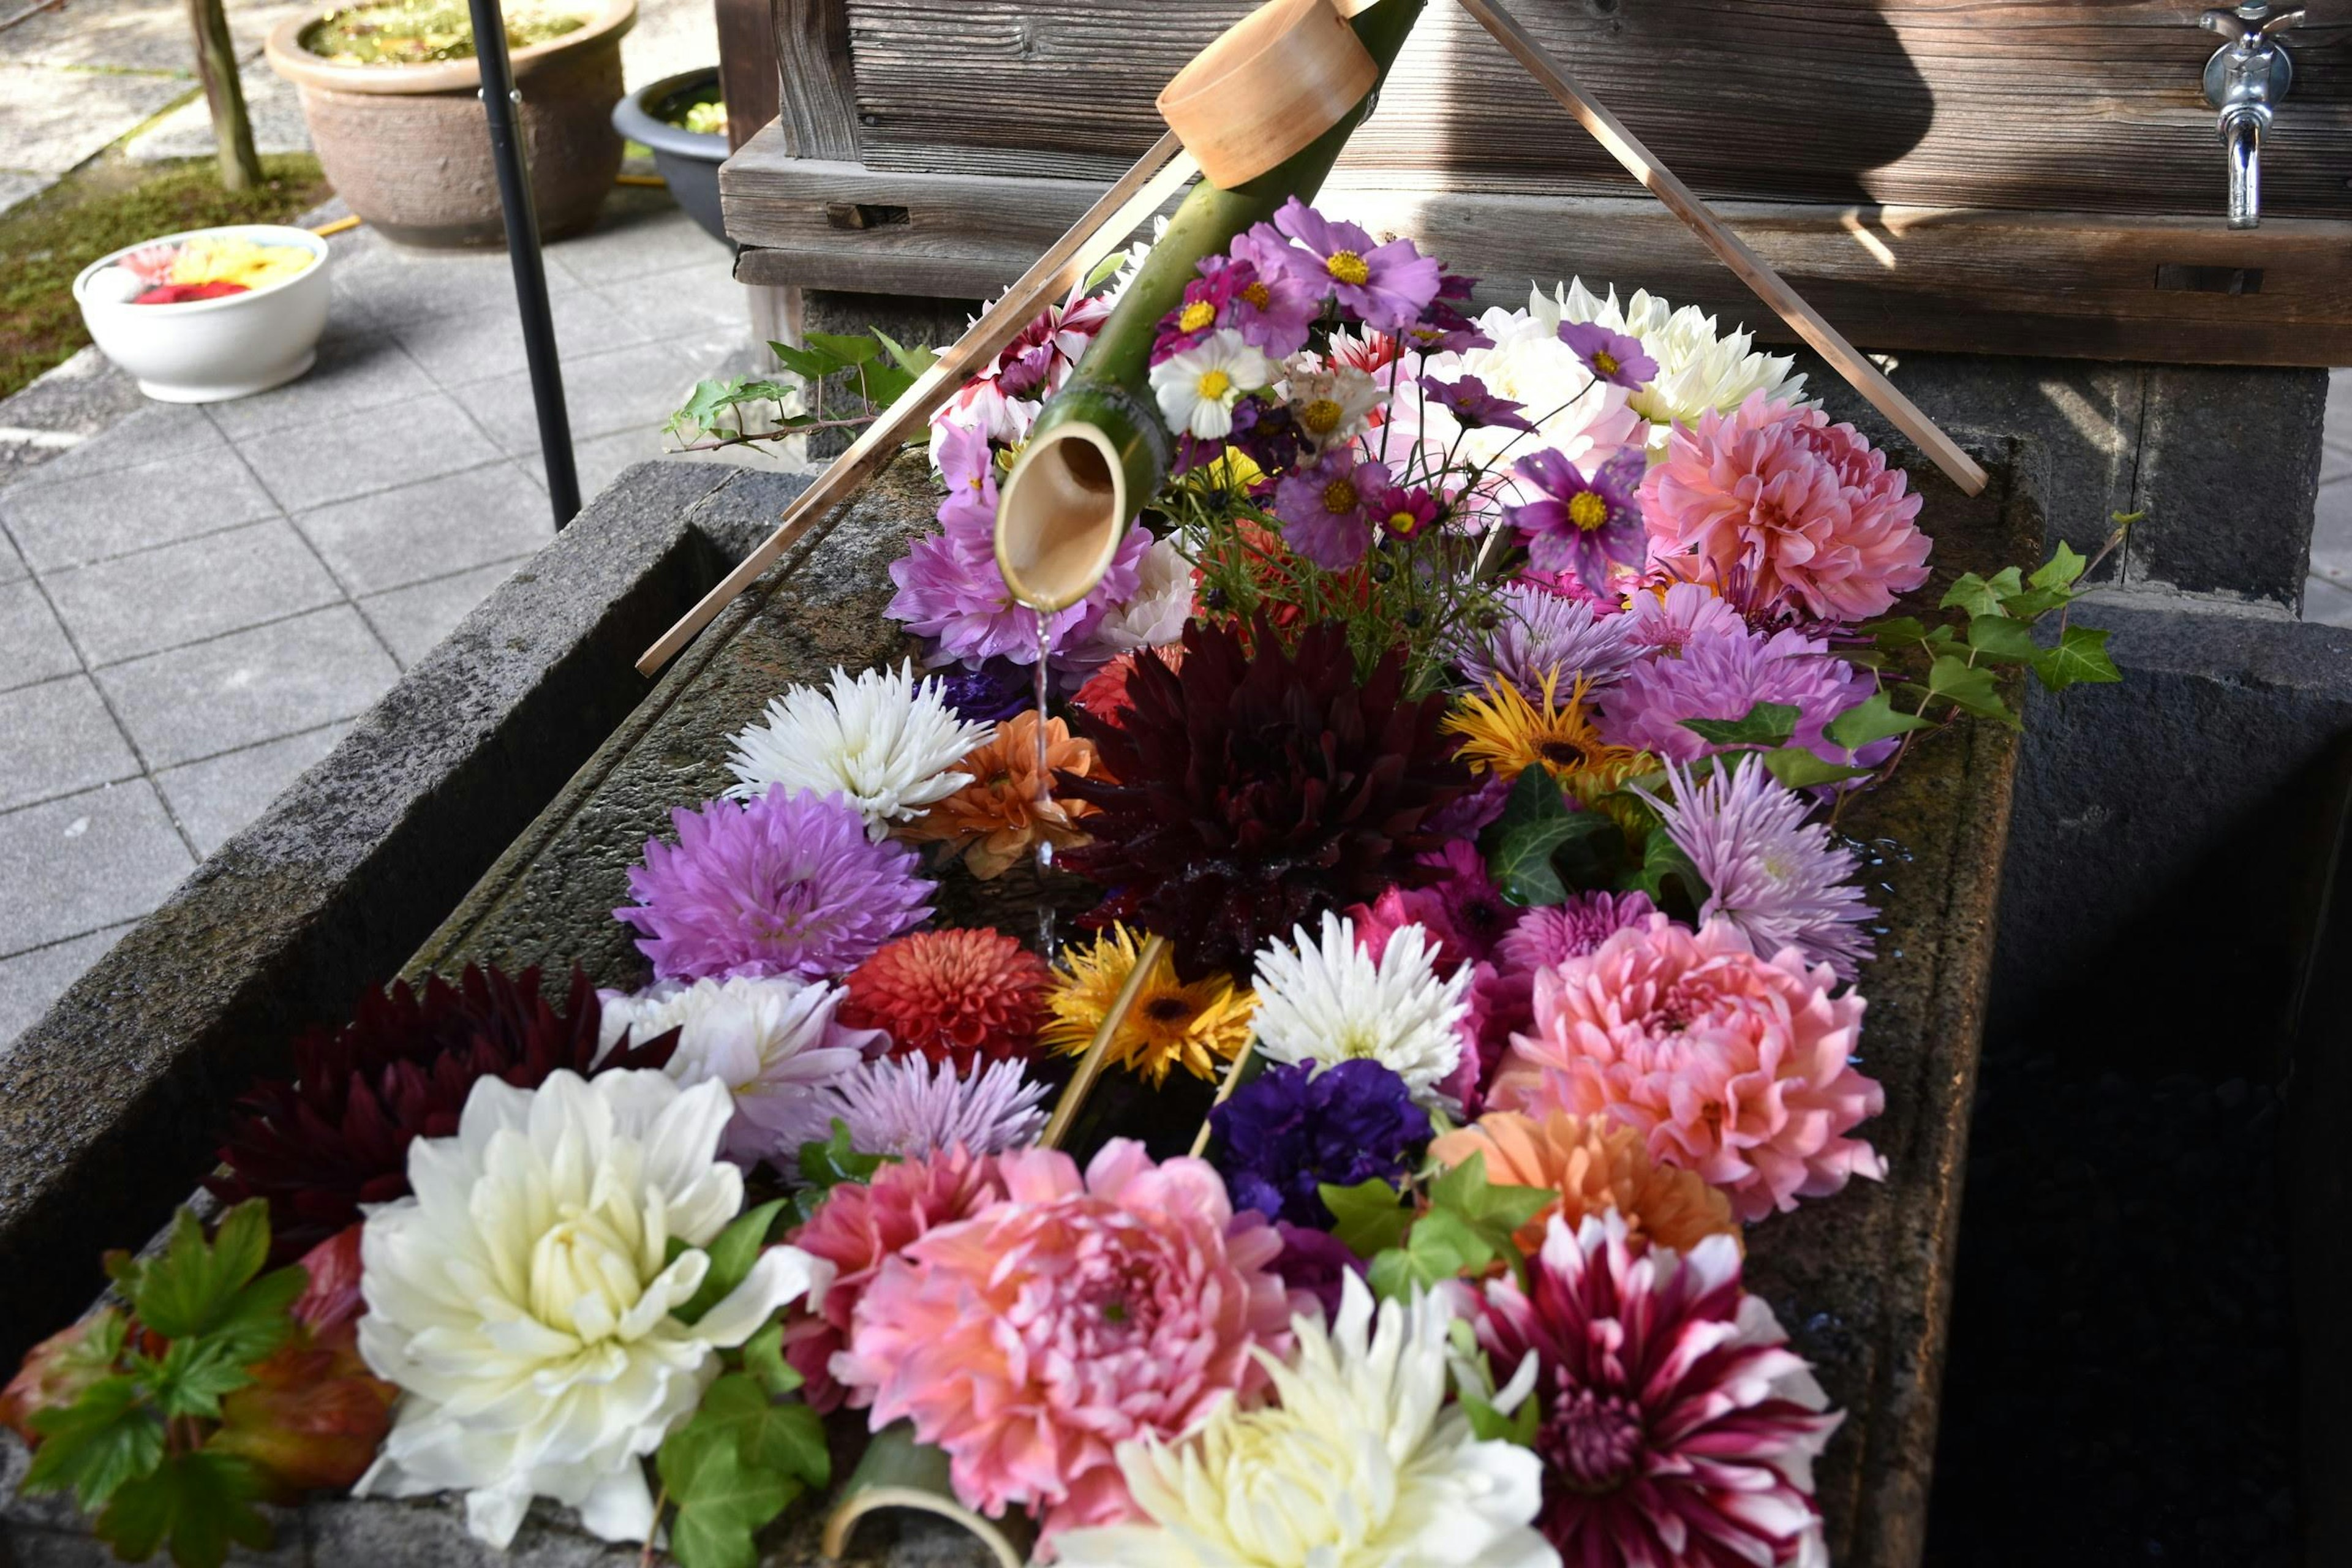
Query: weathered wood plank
{"points": [[749, 76], [819, 112]]}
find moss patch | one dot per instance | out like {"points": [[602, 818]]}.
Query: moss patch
{"points": [[46, 241]]}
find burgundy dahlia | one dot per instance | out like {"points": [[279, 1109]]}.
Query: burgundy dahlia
{"points": [[1259, 789], [336, 1135]]}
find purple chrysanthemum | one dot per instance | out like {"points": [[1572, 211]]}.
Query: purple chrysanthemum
{"points": [[1723, 675], [1613, 357], [1274, 310], [1588, 527], [990, 693], [1558, 932], [1315, 1262], [911, 1107], [1327, 508], [1776, 876], [1386, 287], [777, 885], [1665, 620], [1541, 634], [1291, 1129], [1473, 406]]}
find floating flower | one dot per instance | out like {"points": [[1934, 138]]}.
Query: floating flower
{"points": [[1698, 370], [1538, 636], [1154, 615], [1473, 406], [773, 1042], [1291, 1129], [1327, 508], [226, 259], [1731, 1065], [1587, 528], [1614, 357], [1196, 1026], [1360, 1462], [1547, 936], [1328, 404], [1104, 695], [1809, 509], [1724, 675], [1505, 733], [1329, 1000], [908, 1107], [1676, 1426], [1278, 306], [1595, 1166], [1461, 911], [883, 743], [525, 1298], [1007, 809], [1668, 617], [1386, 287], [955, 996], [1030, 1339], [1197, 387], [786, 884], [994, 690]]}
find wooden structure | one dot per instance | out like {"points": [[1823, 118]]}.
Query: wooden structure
{"points": [[1987, 178]]}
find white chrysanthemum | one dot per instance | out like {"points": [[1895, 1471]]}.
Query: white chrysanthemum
{"points": [[1155, 614], [1698, 369], [1330, 1002], [1360, 1462], [773, 1042], [1330, 404], [1197, 387], [523, 1299], [883, 742]]}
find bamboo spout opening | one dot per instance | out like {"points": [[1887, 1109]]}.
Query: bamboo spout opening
{"points": [[1061, 516]]}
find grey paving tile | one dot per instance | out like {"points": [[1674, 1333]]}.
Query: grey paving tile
{"points": [[598, 462], [146, 435], [480, 345], [214, 799], [639, 232], [2335, 456], [393, 285], [60, 739], [2325, 603], [33, 647], [12, 565], [132, 35], [273, 104], [310, 465], [65, 523], [631, 389], [89, 860], [354, 374], [15, 187], [412, 619], [394, 538], [250, 686], [2331, 532], [30, 983], [184, 593], [52, 120], [2337, 422], [690, 302]]}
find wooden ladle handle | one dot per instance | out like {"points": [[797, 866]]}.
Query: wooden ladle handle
{"points": [[1268, 86]]}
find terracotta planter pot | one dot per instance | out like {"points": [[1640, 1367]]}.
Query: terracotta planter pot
{"points": [[407, 148]]}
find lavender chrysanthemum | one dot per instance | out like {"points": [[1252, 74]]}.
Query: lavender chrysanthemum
{"points": [[910, 1107], [1776, 876], [1292, 1129], [1723, 674], [780, 885], [1665, 620], [1544, 634], [1558, 932]]}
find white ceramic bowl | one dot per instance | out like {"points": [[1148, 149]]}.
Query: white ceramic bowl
{"points": [[208, 350]]}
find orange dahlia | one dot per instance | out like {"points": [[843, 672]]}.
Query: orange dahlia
{"points": [[957, 996], [998, 817], [1593, 1167]]}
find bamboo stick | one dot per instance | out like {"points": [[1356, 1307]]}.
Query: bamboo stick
{"points": [[1232, 1081], [1090, 1065], [1750, 267], [1138, 194]]}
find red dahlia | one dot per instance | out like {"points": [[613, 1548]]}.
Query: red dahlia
{"points": [[953, 995]]}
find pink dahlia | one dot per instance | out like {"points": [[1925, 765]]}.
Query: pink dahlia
{"points": [[1722, 674], [1032, 1339], [1678, 1429], [1809, 509], [777, 885], [1553, 935], [1666, 617], [1736, 1067]]}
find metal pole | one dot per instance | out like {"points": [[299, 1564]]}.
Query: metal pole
{"points": [[500, 102]]}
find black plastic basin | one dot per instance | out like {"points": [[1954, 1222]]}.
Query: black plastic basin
{"points": [[688, 160]]}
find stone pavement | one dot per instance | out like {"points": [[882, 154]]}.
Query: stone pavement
{"points": [[2327, 596]]}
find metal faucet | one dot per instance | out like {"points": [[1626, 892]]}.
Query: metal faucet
{"points": [[2244, 79]]}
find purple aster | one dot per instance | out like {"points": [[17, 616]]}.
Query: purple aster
{"points": [[1474, 406], [1276, 308], [1386, 287], [1614, 357], [910, 1107], [1314, 1261], [1326, 508], [1779, 877], [1293, 1128], [990, 693], [1540, 633], [1558, 932], [1587, 527], [1723, 674], [1203, 307], [777, 885], [1665, 621]]}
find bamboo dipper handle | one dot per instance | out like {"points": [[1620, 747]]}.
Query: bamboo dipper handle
{"points": [[1752, 270]]}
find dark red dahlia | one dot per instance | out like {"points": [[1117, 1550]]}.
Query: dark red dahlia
{"points": [[1258, 789], [336, 1135]]}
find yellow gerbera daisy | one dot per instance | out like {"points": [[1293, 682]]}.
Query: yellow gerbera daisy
{"points": [[1198, 1025], [1502, 730]]}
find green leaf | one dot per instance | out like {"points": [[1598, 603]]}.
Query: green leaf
{"points": [[1104, 271], [913, 360], [2036, 603], [1491, 1426], [826, 1165], [1875, 718], [259, 1318], [721, 1501], [1800, 769], [1444, 1246], [1968, 688], [702, 406], [763, 1358], [785, 1438], [2060, 571], [189, 1287], [107, 1437], [2080, 658], [1765, 724], [1497, 1210], [1369, 1218], [849, 351], [192, 1375], [1521, 866], [732, 1253], [1981, 595], [812, 364], [200, 1502], [1662, 861], [2001, 640], [1895, 632]]}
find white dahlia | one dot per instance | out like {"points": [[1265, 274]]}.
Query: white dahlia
{"points": [[1330, 1002], [1358, 1463], [524, 1297], [1155, 614], [1698, 369], [884, 743]]}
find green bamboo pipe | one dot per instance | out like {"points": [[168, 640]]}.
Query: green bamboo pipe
{"points": [[1100, 448]]}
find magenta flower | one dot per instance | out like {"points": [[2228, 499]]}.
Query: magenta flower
{"points": [[777, 885], [1558, 932], [1473, 406], [1278, 306], [1614, 357], [1386, 287], [1206, 298], [1723, 674], [1541, 634], [1327, 508], [1404, 513], [1585, 527]]}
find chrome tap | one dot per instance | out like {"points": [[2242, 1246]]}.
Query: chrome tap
{"points": [[2244, 79]]}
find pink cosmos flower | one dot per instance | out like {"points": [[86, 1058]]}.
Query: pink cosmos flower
{"points": [[1032, 1339], [1733, 1066], [1327, 508], [1386, 287], [1677, 1429], [1276, 307], [1589, 528], [1001, 402], [1612, 356], [1207, 302], [1809, 510]]}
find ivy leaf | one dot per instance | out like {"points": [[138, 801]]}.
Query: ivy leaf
{"points": [[192, 1375], [1521, 865], [1800, 769], [721, 1501], [849, 351], [200, 1502], [2036, 603], [1982, 596], [1662, 861], [731, 1253], [702, 406], [1874, 718], [1490, 1425], [913, 360], [763, 1358], [1765, 724], [815, 365], [1495, 1212], [1369, 1218], [2080, 658], [882, 384], [1895, 633], [824, 1166], [2001, 640], [787, 1439], [107, 1437], [1966, 688], [2060, 571]]}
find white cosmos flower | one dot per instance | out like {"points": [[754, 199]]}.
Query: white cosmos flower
{"points": [[1198, 386], [1359, 1462], [1154, 615], [1698, 369], [523, 1297], [1330, 1002], [773, 1042], [882, 742], [1330, 403]]}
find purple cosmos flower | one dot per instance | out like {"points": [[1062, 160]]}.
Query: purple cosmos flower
{"points": [[1723, 673], [1206, 298], [1293, 1128], [1779, 877], [1444, 328], [1558, 932], [1276, 308], [777, 885], [1473, 406], [1326, 508], [911, 1107], [1404, 513], [1585, 527], [1386, 287], [1614, 357], [1541, 634]]}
